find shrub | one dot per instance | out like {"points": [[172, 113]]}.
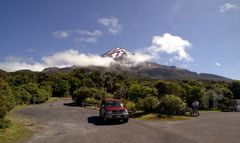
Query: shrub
{"points": [[168, 87], [22, 96], [97, 93], [137, 91], [41, 96], [148, 104], [4, 123], [81, 94], [6, 102], [172, 105], [38, 94], [108, 95], [60, 87], [195, 94], [92, 101], [130, 106], [235, 88]]}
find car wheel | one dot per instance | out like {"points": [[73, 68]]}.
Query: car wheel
{"points": [[125, 120], [104, 119]]}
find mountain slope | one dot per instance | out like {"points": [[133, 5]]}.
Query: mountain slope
{"points": [[146, 70]]}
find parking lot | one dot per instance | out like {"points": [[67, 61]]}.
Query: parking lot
{"points": [[62, 122]]}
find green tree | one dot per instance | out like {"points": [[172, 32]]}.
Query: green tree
{"points": [[97, 78], [116, 84], [171, 105], [22, 96], [6, 102], [235, 88], [74, 85], [147, 104], [87, 82], [168, 87], [39, 94], [3, 75], [81, 94], [136, 91], [195, 94], [60, 87], [79, 73]]}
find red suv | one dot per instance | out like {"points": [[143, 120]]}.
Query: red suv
{"points": [[113, 109]]}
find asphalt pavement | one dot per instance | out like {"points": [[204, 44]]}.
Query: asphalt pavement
{"points": [[63, 122]]}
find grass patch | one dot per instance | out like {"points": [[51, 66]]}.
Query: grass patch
{"points": [[155, 116], [52, 99], [18, 128], [14, 133], [18, 107], [210, 110]]}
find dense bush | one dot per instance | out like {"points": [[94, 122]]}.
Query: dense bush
{"points": [[6, 102], [195, 94], [92, 101], [97, 94], [171, 105], [22, 96], [4, 123], [235, 88], [130, 106], [60, 87], [167, 87], [81, 94], [32, 92], [137, 91], [147, 104]]}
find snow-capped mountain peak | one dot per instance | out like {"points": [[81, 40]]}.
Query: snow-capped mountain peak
{"points": [[117, 53]]}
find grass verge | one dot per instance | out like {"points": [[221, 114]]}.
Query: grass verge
{"points": [[155, 116], [19, 127], [210, 110], [14, 133]]}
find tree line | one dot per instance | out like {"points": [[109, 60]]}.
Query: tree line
{"points": [[161, 96]]}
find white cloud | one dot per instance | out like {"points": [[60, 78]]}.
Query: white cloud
{"points": [[87, 36], [79, 35], [95, 33], [135, 59], [60, 59], [218, 64], [111, 23], [139, 58], [13, 63], [229, 6], [73, 57], [173, 45], [61, 34]]}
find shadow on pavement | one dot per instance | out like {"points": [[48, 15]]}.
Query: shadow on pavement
{"points": [[98, 121], [71, 104]]}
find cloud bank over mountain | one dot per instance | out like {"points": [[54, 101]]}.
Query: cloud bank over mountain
{"points": [[59, 59], [167, 43]]}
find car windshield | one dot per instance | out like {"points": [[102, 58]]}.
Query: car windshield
{"points": [[114, 103]]}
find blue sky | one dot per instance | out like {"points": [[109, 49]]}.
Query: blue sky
{"points": [[200, 35]]}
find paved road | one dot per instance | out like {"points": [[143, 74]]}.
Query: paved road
{"points": [[60, 122]]}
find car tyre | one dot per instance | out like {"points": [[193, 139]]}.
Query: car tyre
{"points": [[125, 120], [104, 119]]}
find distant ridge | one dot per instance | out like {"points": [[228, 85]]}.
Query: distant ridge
{"points": [[146, 70]]}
